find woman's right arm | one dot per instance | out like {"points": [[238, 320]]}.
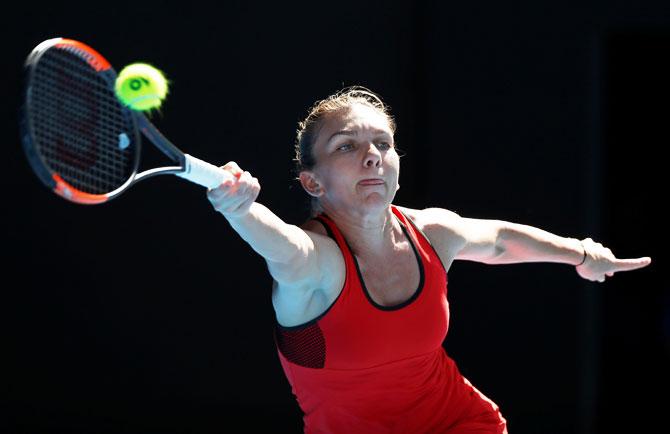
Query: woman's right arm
{"points": [[288, 250]]}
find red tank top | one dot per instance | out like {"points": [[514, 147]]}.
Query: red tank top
{"points": [[365, 368]]}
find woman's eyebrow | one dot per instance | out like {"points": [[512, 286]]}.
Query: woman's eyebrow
{"points": [[351, 133], [342, 133]]}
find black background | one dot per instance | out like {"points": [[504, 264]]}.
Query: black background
{"points": [[149, 314]]}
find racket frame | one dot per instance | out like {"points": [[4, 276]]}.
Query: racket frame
{"points": [[187, 166], [52, 179]]}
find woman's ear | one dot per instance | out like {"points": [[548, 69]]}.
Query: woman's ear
{"points": [[310, 183]]}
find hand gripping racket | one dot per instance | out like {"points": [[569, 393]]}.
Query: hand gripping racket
{"points": [[81, 141]]}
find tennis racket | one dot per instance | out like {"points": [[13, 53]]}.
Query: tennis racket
{"points": [[81, 141]]}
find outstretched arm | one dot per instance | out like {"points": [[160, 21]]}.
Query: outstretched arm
{"points": [[289, 251], [593, 261], [502, 242]]}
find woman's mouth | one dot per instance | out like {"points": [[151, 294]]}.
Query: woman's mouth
{"points": [[371, 181]]}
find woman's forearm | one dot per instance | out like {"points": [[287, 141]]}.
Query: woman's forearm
{"points": [[270, 236], [523, 243]]}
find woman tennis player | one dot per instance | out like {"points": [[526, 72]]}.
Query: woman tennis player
{"points": [[360, 289]]}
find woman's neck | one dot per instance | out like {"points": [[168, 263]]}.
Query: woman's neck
{"points": [[367, 232]]}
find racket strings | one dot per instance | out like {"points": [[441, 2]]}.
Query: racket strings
{"points": [[81, 130]]}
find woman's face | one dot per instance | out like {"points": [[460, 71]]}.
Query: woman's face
{"points": [[357, 166]]}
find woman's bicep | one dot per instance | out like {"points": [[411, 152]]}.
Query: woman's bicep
{"points": [[302, 291], [309, 269], [468, 239], [482, 240]]}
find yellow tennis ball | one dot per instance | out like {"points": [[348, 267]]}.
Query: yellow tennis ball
{"points": [[140, 86]]}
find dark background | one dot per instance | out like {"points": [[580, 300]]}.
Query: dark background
{"points": [[149, 314]]}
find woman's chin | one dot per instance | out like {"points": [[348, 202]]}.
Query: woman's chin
{"points": [[376, 200]]}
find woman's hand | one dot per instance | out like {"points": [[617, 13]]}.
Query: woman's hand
{"points": [[600, 262], [233, 198]]}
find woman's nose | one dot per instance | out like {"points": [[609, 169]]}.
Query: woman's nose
{"points": [[373, 157]]}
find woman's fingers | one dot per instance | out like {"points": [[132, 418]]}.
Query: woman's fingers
{"points": [[234, 196], [602, 263], [632, 264], [233, 168]]}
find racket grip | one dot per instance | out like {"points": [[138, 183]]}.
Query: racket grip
{"points": [[203, 173]]}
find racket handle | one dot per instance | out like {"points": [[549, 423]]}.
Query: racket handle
{"points": [[203, 173]]}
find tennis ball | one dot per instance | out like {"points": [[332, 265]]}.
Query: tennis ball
{"points": [[140, 86]]}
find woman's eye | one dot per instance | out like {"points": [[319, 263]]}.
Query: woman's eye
{"points": [[384, 145], [345, 147]]}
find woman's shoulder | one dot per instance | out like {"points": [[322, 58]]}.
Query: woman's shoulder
{"points": [[314, 225], [441, 227], [430, 217]]}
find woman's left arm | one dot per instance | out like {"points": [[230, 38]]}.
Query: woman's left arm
{"points": [[502, 242], [523, 243]]}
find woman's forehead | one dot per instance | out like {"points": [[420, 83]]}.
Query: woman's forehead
{"points": [[356, 117]]}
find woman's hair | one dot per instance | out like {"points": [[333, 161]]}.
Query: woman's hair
{"points": [[308, 129]]}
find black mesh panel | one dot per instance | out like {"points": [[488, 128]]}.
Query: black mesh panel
{"points": [[304, 346]]}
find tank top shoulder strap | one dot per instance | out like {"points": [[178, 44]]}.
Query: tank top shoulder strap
{"points": [[335, 234], [419, 236], [409, 225]]}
